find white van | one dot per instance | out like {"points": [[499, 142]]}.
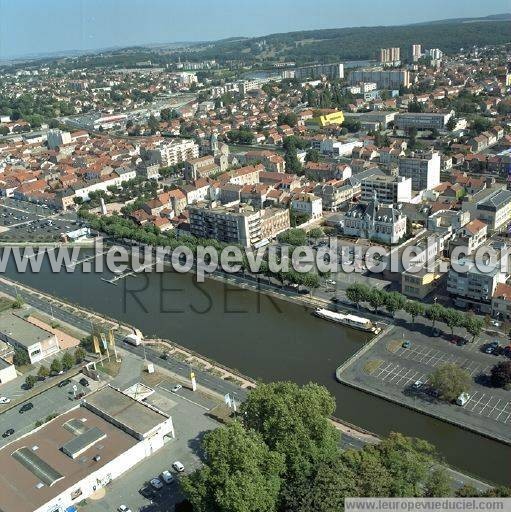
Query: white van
{"points": [[462, 399], [133, 339]]}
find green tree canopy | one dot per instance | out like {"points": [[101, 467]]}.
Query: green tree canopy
{"points": [[450, 381]]}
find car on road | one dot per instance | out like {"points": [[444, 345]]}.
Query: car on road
{"points": [[156, 483], [4, 400], [63, 383], [406, 344], [8, 432], [26, 407], [84, 382], [123, 508], [178, 466], [167, 477], [176, 388]]}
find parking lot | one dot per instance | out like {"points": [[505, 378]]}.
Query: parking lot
{"points": [[398, 367], [21, 221]]}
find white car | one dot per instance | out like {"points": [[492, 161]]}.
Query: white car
{"points": [[167, 477], [176, 388], [330, 282], [4, 400], [123, 508], [156, 483], [178, 466]]}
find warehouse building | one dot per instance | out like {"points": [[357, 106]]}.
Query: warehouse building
{"points": [[63, 462]]}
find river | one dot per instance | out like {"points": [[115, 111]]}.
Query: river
{"points": [[267, 339]]}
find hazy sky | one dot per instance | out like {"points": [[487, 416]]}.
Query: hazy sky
{"points": [[37, 26]]}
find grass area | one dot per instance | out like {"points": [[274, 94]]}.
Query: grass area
{"points": [[221, 413], [109, 367], [393, 345], [372, 365], [5, 304]]}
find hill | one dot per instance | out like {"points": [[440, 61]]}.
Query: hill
{"points": [[360, 43]]}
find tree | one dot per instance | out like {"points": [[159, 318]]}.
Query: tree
{"points": [[293, 165], [394, 301], [357, 293], [452, 318], [30, 381], [68, 361], [501, 374], [294, 421], [438, 484], [451, 123], [153, 124], [312, 155], [450, 381], [474, 325], [240, 473], [376, 299], [17, 303], [435, 312], [56, 366], [20, 357], [414, 309], [315, 233], [80, 355], [43, 372]]}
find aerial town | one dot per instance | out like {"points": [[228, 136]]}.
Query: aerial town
{"points": [[271, 389]]}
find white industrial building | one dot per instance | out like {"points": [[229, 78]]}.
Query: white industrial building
{"points": [[66, 460]]}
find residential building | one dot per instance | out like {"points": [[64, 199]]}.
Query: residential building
{"points": [[471, 286], [387, 189], [422, 120], [416, 52], [422, 168], [384, 78], [374, 221], [309, 204], [172, 152], [501, 302], [331, 71], [495, 210], [7, 371]]}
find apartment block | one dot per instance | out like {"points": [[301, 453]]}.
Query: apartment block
{"points": [[422, 120], [384, 78], [387, 189], [422, 168]]}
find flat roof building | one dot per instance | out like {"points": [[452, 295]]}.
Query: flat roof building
{"points": [[69, 458], [21, 333]]}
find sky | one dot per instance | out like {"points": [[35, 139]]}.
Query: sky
{"points": [[29, 27]]}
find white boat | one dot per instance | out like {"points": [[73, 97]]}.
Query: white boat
{"points": [[357, 322]]}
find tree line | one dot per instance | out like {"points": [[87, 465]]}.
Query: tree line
{"points": [[395, 301]]}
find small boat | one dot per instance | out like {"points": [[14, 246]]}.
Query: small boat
{"points": [[357, 322]]}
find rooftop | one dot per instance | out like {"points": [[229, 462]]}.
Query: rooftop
{"points": [[136, 416], [19, 329], [38, 468]]}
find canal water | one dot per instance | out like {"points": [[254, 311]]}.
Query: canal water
{"points": [[267, 339]]}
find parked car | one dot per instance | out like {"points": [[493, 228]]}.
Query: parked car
{"points": [[176, 388], [167, 477], [178, 466], [63, 383], [436, 332], [462, 399], [8, 432], [490, 347], [123, 508], [4, 400], [26, 407], [84, 382], [417, 384], [406, 344], [156, 483]]}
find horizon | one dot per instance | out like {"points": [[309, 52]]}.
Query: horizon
{"points": [[86, 26]]}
